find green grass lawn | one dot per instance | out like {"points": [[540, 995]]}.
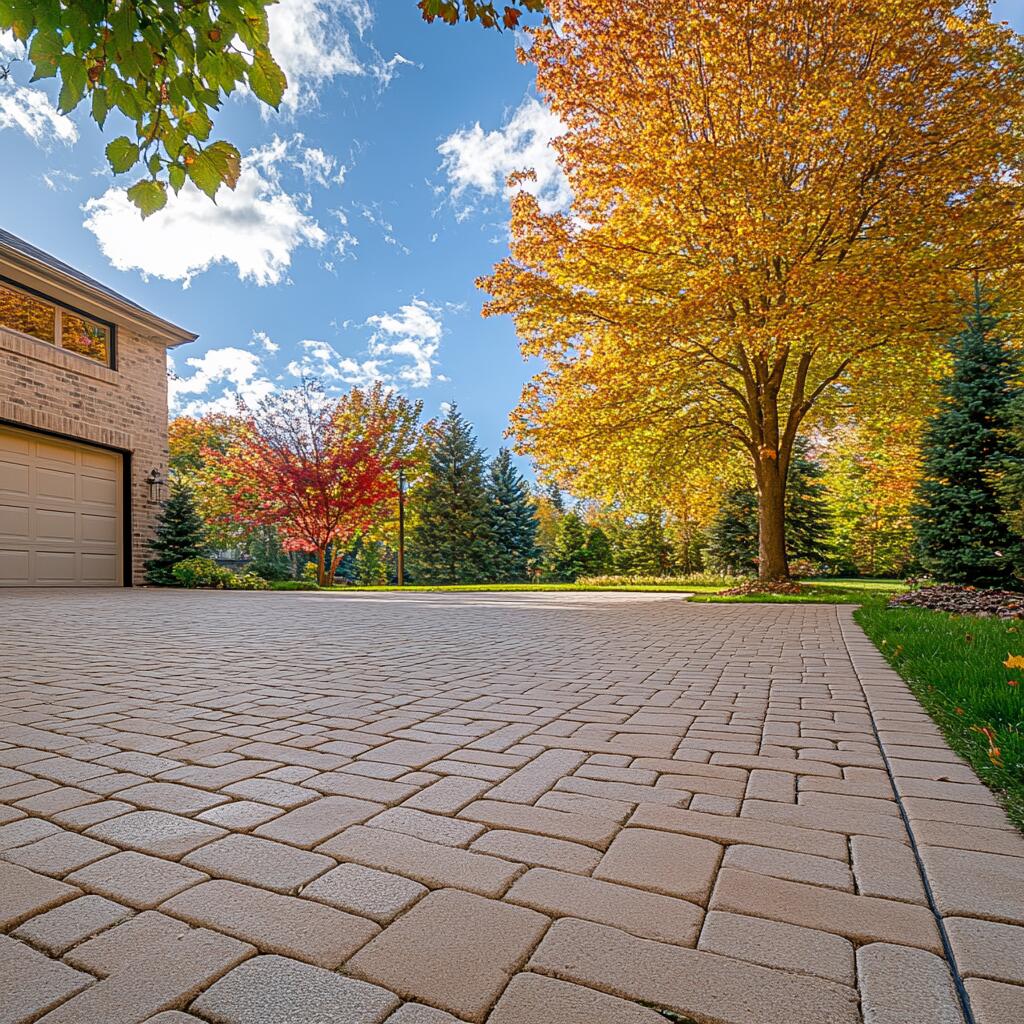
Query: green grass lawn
{"points": [[824, 591], [679, 588], [954, 666]]}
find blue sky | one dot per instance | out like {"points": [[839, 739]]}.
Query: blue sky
{"points": [[367, 208]]}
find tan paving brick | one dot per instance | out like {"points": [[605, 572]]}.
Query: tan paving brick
{"points": [[58, 854], [31, 984], [861, 918], [276, 990], [298, 928], [536, 778], [786, 947], [986, 949], [417, 1013], [972, 884], [271, 791], [378, 895], [312, 823], [259, 862], [156, 833], [578, 828], [905, 986], [887, 869], [25, 893], [240, 815], [534, 999], [24, 831], [136, 879], [992, 1002], [422, 956], [144, 987], [645, 914], [538, 851], [430, 863], [797, 867], [168, 796], [57, 930], [434, 828], [408, 752], [727, 830], [447, 795], [665, 862], [690, 982]]}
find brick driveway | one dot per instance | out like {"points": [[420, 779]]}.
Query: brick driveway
{"points": [[519, 809]]}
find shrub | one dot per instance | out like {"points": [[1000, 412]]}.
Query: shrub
{"points": [[201, 572], [697, 579], [247, 581]]}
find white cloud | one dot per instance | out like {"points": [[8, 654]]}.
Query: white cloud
{"points": [[323, 360], [265, 342], [311, 41], [412, 334], [401, 351], [28, 108], [240, 374], [256, 227], [476, 163]]}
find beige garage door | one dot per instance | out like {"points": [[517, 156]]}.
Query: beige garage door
{"points": [[60, 512]]}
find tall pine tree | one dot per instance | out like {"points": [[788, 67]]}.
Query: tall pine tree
{"points": [[732, 537], [180, 534], [962, 536], [513, 522], [569, 558], [451, 540]]}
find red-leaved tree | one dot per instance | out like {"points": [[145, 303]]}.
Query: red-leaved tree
{"points": [[300, 466]]}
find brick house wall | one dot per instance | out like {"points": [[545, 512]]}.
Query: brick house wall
{"points": [[46, 388]]}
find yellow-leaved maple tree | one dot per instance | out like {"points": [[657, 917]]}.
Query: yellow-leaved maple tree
{"points": [[776, 205]]}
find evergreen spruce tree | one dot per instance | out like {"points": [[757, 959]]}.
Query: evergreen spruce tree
{"points": [[962, 534], [269, 559], [732, 536], [371, 567], [808, 518], [599, 556], [451, 540], [569, 557], [646, 552], [512, 520], [180, 534]]}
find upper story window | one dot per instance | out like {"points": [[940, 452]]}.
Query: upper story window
{"points": [[58, 325]]}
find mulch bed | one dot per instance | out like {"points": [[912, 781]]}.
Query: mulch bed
{"points": [[959, 600], [766, 587]]}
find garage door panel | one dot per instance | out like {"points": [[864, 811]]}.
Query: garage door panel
{"points": [[14, 567], [55, 483], [55, 524], [15, 522], [56, 567], [60, 512], [104, 529], [14, 477], [99, 490], [99, 569]]}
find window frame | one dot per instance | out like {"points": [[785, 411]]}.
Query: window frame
{"points": [[58, 307]]}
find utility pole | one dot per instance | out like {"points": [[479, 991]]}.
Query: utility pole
{"points": [[401, 527]]}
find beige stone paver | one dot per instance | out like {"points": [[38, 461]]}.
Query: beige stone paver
{"points": [[500, 808]]}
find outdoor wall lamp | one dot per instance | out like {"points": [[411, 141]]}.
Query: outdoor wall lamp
{"points": [[157, 485]]}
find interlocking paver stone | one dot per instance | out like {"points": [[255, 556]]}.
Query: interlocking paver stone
{"points": [[695, 795], [277, 990], [425, 953], [30, 983], [292, 927], [156, 833], [259, 862], [59, 929], [375, 894], [136, 879]]}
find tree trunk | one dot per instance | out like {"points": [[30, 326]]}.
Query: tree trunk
{"points": [[771, 517], [321, 567]]}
